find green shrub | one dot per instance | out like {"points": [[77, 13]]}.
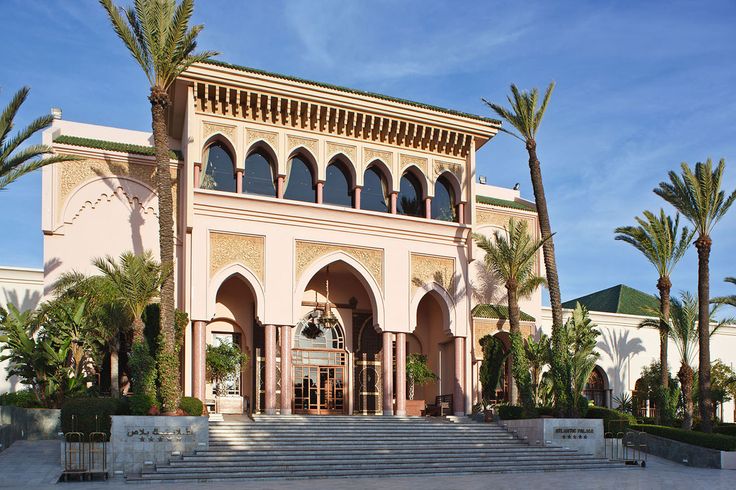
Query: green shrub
{"points": [[545, 411], [88, 415], [141, 404], [191, 405], [613, 420], [713, 441], [726, 429], [143, 369], [23, 399], [511, 412]]}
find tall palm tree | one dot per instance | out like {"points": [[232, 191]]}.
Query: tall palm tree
{"points": [[15, 164], [683, 330], [511, 259], [525, 115], [663, 243], [158, 35], [698, 196]]}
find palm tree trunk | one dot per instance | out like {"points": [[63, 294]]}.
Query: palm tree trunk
{"points": [[548, 249], [168, 360], [705, 403], [664, 285], [115, 369], [514, 319], [686, 380]]}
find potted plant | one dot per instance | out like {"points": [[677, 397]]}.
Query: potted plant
{"points": [[417, 374], [223, 361]]}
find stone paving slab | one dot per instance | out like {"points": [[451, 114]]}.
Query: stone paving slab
{"points": [[34, 464]]}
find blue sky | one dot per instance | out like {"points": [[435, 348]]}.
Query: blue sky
{"points": [[641, 86]]}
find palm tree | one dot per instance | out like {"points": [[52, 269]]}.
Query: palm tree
{"points": [[698, 196], [683, 330], [663, 243], [512, 261], [158, 35], [727, 300], [14, 166], [525, 116]]}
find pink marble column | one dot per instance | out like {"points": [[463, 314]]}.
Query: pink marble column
{"points": [[428, 208], [197, 171], [270, 369], [387, 372], [239, 181], [199, 352], [461, 213], [394, 198], [320, 188], [286, 383], [400, 374], [280, 186], [356, 197], [459, 395]]}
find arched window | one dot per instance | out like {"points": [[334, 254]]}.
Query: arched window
{"points": [[337, 189], [300, 181], [374, 196], [219, 172], [410, 202], [443, 202], [258, 176]]}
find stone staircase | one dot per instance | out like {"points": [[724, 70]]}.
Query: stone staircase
{"points": [[277, 447]]}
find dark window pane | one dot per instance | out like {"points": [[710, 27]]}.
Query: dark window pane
{"points": [[258, 176], [443, 202], [373, 195], [300, 182], [337, 186], [409, 200], [219, 174]]}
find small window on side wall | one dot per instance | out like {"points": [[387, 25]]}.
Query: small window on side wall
{"points": [[219, 171]]}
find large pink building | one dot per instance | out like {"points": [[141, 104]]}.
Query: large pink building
{"points": [[324, 230]]}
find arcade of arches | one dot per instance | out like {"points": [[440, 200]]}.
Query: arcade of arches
{"points": [[337, 361]]}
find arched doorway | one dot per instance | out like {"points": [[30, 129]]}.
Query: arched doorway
{"points": [[431, 336], [335, 331], [596, 389]]}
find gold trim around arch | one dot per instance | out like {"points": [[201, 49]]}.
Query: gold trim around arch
{"points": [[308, 252], [231, 248]]}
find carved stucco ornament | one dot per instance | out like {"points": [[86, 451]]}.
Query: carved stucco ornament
{"points": [[334, 148], [455, 168], [72, 175], [495, 218], [426, 269], [296, 141], [230, 248], [369, 155], [308, 252], [419, 162], [254, 135], [209, 128]]}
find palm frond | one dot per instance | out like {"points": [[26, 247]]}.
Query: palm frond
{"points": [[525, 111]]}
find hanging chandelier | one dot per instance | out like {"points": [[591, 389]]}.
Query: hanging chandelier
{"points": [[321, 318]]}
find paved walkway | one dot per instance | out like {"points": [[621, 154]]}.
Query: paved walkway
{"points": [[35, 464]]}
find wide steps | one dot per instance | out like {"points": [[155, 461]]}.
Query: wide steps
{"points": [[349, 447]]}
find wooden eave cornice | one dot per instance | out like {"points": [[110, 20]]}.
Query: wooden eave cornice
{"points": [[260, 98]]}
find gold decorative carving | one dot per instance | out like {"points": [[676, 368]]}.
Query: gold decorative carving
{"points": [[267, 136], [491, 326], [406, 160], [370, 154], [333, 148], [229, 248], [426, 269], [297, 141], [208, 129], [308, 252], [441, 166], [72, 176], [491, 217]]}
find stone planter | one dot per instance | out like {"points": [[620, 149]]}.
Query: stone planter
{"points": [[584, 435], [414, 408]]}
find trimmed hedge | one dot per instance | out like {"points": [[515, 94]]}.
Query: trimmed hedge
{"points": [[142, 404], [713, 441], [613, 420], [191, 405], [22, 399], [511, 412], [726, 429], [88, 415]]}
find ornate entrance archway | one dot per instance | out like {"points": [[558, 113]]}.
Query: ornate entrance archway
{"points": [[319, 361]]}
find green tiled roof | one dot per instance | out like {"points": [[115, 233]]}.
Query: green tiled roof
{"points": [[504, 203], [111, 146], [353, 91], [500, 312], [617, 299]]}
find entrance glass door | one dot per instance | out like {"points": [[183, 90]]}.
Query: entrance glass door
{"points": [[319, 390]]}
